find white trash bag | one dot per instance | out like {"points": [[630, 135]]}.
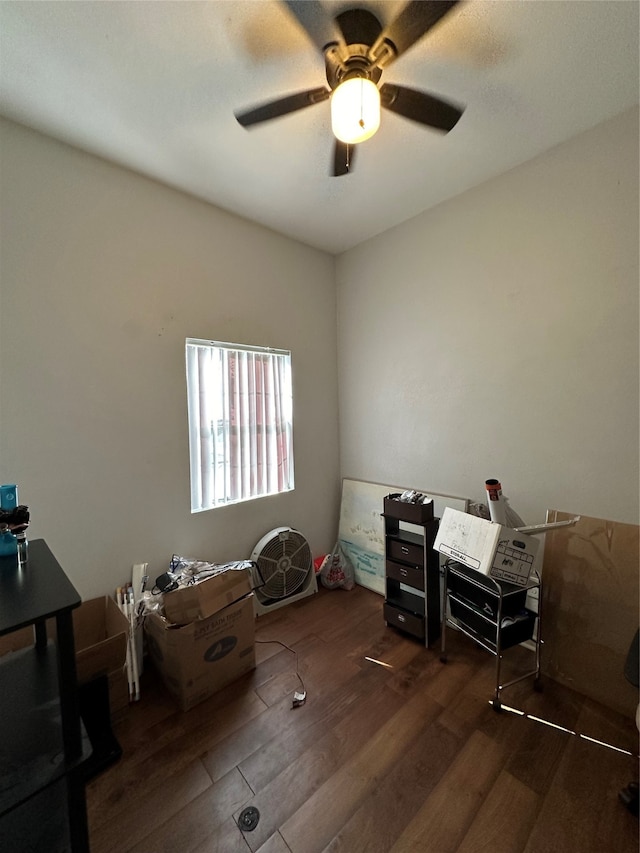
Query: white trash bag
{"points": [[336, 571]]}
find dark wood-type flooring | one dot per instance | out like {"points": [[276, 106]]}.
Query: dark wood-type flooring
{"points": [[381, 759]]}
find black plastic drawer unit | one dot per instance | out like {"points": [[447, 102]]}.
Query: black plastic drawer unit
{"points": [[410, 622], [405, 551], [412, 570], [483, 595], [492, 613], [511, 633], [410, 575]]}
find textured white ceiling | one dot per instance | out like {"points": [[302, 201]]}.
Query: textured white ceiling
{"points": [[153, 86]]}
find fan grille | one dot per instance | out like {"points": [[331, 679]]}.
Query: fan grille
{"points": [[285, 562]]}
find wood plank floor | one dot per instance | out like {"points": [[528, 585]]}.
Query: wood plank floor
{"points": [[399, 758]]}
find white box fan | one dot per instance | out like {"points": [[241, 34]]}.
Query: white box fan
{"points": [[285, 570]]}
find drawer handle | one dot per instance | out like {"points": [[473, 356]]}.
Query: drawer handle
{"points": [[404, 549], [401, 618], [404, 573]]}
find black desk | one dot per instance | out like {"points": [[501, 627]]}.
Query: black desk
{"points": [[42, 741]]}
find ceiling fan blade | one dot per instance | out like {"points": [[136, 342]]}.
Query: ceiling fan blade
{"points": [[358, 26], [420, 107], [313, 19], [413, 22], [283, 106], [342, 158]]}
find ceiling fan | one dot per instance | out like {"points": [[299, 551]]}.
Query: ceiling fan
{"points": [[356, 49]]}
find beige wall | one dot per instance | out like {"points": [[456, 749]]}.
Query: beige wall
{"points": [[497, 336], [104, 275]]}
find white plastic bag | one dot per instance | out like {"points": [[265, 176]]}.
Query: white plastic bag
{"points": [[336, 571]]}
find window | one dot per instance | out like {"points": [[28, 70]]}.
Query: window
{"points": [[240, 406]]}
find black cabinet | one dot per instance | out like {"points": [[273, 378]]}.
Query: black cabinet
{"points": [[412, 570], [43, 742]]}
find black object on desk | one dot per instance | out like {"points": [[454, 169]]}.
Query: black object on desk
{"points": [[42, 801]]}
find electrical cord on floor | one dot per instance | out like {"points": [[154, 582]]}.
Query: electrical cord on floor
{"points": [[299, 698]]}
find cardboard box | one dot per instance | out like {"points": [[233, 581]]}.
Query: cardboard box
{"points": [[198, 659], [201, 600], [487, 547], [100, 634], [101, 631], [17, 640], [118, 694]]}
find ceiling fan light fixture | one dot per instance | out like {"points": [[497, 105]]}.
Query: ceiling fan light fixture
{"points": [[355, 110]]}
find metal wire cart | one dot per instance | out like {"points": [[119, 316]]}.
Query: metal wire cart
{"points": [[494, 615]]}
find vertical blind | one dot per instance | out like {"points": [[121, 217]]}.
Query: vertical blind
{"points": [[240, 407]]}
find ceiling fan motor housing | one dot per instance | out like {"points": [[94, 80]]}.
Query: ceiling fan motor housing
{"points": [[353, 58]]}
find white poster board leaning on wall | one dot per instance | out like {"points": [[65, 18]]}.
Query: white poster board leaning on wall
{"points": [[361, 528]]}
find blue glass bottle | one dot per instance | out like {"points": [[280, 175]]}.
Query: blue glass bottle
{"points": [[8, 544]]}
